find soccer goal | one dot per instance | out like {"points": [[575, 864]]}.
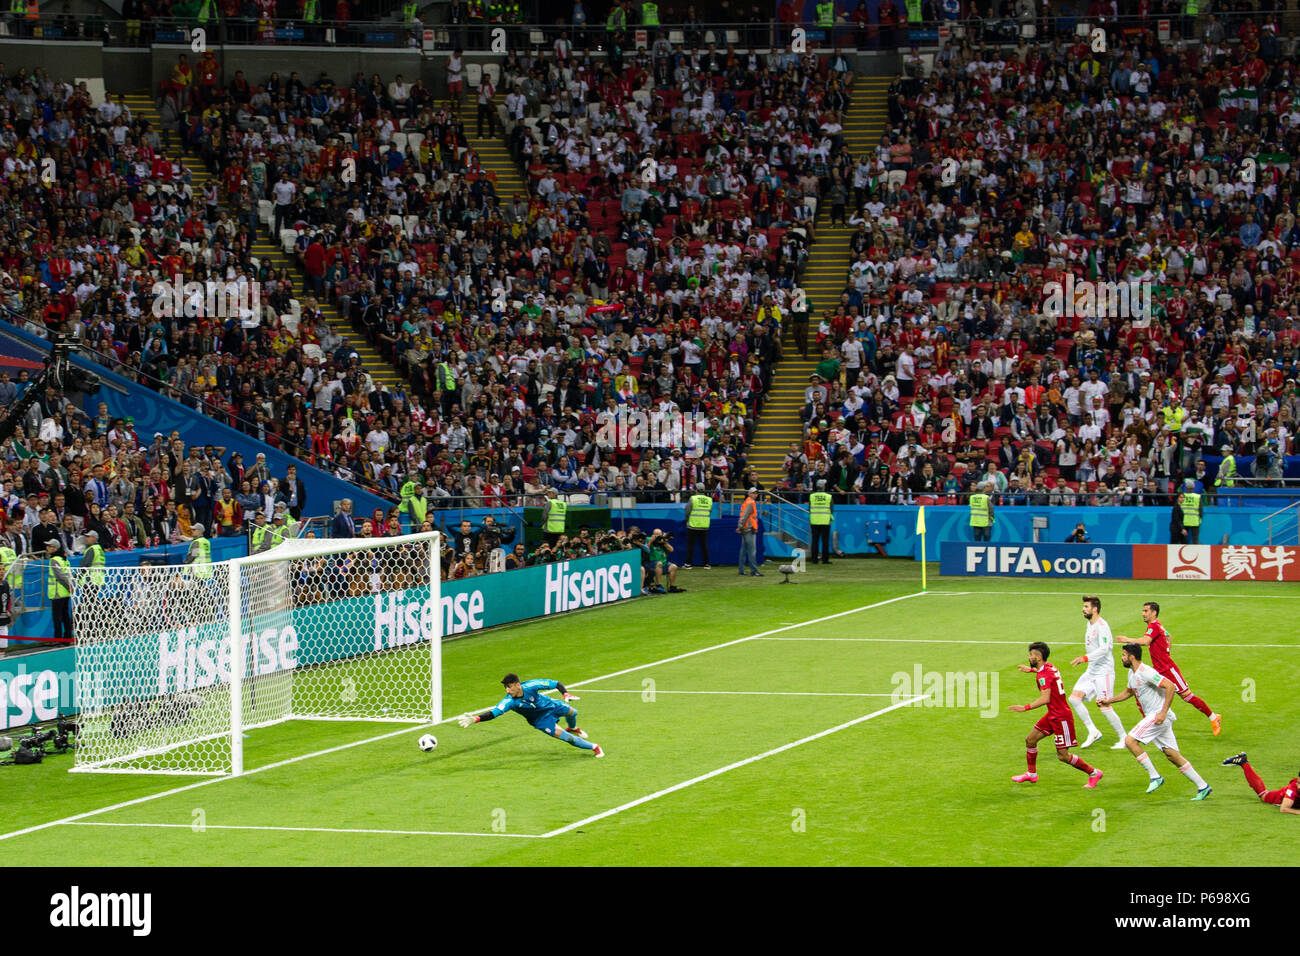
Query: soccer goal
{"points": [[175, 663]]}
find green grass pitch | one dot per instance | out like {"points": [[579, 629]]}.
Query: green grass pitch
{"points": [[738, 733]]}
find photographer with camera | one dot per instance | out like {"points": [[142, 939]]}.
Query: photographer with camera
{"points": [[1078, 536], [658, 547]]}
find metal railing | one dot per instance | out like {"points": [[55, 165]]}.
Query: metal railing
{"points": [[1283, 525], [433, 33]]}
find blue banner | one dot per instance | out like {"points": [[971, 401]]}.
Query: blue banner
{"points": [[1037, 560]]}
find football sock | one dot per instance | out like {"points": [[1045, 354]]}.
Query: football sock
{"points": [[1081, 711], [578, 742], [1199, 704], [1115, 722], [1078, 763], [1031, 759], [1253, 779], [1188, 771], [571, 718], [1147, 765]]}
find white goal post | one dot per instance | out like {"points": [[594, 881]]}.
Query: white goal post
{"points": [[174, 664]]}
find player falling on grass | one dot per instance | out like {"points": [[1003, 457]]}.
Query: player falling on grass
{"points": [[1098, 681], [1284, 799], [1157, 638], [526, 698], [1057, 723], [1155, 694]]}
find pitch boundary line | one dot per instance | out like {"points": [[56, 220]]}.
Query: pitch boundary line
{"points": [[942, 640], [406, 730], [1173, 595], [215, 826], [729, 767]]}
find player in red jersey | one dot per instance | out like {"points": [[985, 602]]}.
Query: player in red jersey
{"points": [[1284, 799], [1157, 638], [1057, 723]]}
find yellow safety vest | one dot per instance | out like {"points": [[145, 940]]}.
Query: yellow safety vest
{"points": [[408, 13], [448, 377], [701, 512], [203, 560], [819, 508], [1191, 503], [913, 11], [979, 511], [259, 533], [555, 520], [1192, 8], [55, 588], [650, 14], [8, 556], [1227, 471], [94, 560], [310, 13], [826, 15]]}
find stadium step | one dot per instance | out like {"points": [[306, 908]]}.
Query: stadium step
{"points": [[144, 105], [824, 279]]}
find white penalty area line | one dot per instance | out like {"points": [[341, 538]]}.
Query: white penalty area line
{"points": [[446, 720], [534, 836], [215, 826], [729, 767], [744, 693]]}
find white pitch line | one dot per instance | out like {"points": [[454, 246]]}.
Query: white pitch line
{"points": [[731, 766], [1172, 595], [214, 826], [446, 720], [754, 693], [742, 640], [940, 640]]}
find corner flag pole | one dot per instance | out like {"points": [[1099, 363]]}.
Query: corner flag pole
{"points": [[920, 529]]}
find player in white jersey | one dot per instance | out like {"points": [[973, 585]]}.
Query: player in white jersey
{"points": [[1155, 694], [1098, 681]]}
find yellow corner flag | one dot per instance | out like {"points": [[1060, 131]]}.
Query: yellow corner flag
{"points": [[920, 530]]}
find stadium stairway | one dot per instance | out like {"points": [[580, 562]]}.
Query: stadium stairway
{"points": [[824, 279], [144, 105]]}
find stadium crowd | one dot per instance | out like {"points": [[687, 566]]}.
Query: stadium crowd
{"points": [[669, 209], [1167, 165]]}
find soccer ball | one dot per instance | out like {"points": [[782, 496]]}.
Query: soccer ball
{"points": [[428, 742]]}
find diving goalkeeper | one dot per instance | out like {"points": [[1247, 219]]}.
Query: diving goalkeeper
{"points": [[528, 700]]}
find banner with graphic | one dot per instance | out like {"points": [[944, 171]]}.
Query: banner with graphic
{"points": [[1213, 562], [1037, 560], [196, 654]]}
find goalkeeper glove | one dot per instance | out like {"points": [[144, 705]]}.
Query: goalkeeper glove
{"points": [[466, 719], [568, 696]]}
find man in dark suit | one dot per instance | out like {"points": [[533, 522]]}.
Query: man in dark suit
{"points": [[293, 492], [343, 526]]}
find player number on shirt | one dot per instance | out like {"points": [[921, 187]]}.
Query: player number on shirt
{"points": [[798, 40], [48, 171], [649, 174], [498, 40], [1248, 170], [949, 174], [1098, 40], [348, 173], [199, 40]]}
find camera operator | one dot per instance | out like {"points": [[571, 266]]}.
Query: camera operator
{"points": [[1079, 535], [490, 538], [660, 546], [6, 599]]}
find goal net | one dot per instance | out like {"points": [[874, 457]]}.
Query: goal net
{"points": [[175, 664]]}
